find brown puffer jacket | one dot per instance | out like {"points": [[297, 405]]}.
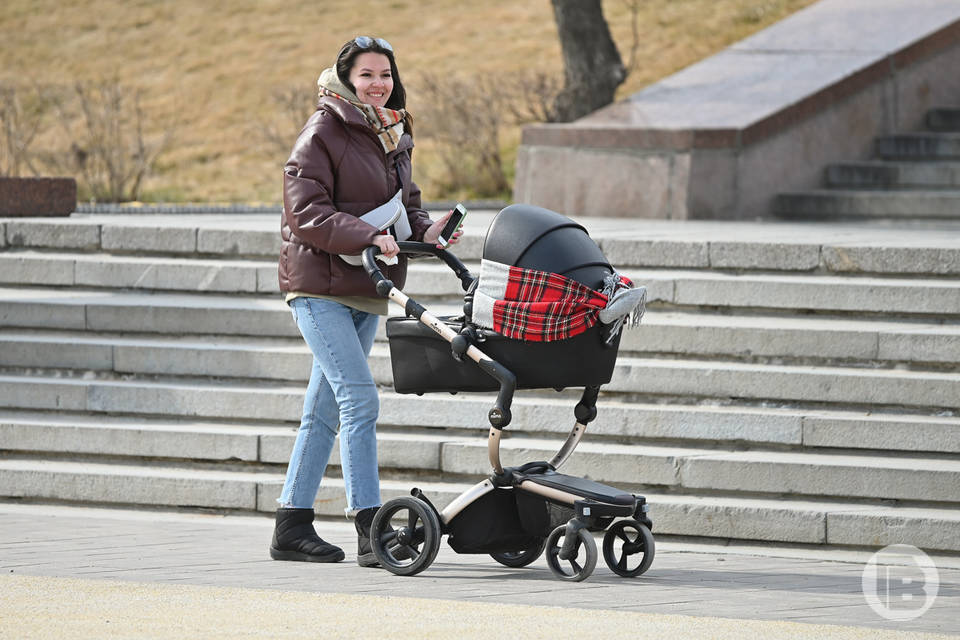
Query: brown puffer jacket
{"points": [[337, 171]]}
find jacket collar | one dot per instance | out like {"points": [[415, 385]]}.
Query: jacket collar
{"points": [[348, 113]]}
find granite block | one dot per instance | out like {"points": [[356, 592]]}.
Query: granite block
{"points": [[37, 196]]}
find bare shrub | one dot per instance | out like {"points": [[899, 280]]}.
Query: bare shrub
{"points": [[289, 108], [23, 114], [464, 118], [108, 149], [633, 59], [758, 12], [530, 97]]}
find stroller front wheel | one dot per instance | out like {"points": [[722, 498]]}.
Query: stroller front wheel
{"points": [[520, 558], [580, 564], [411, 547], [624, 539]]}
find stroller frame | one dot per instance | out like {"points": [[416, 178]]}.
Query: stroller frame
{"points": [[571, 551]]}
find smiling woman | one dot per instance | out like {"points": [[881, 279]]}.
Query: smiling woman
{"points": [[352, 156]]}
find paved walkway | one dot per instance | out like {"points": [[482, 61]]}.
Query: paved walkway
{"points": [[97, 573]]}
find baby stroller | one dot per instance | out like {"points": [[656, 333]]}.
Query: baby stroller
{"points": [[516, 513]]}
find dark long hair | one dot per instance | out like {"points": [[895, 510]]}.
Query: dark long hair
{"points": [[348, 55]]}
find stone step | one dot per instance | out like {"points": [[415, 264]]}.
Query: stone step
{"points": [[246, 314], [751, 338], [943, 119], [194, 440], [163, 273], [139, 485], [793, 337], [893, 175], [760, 472], [696, 425], [440, 453], [717, 516], [184, 398], [919, 146], [88, 315], [265, 358], [29, 267], [134, 436], [833, 247], [534, 413], [658, 243], [803, 292], [699, 378], [140, 311], [781, 383], [210, 237], [681, 468], [837, 203], [809, 522]]}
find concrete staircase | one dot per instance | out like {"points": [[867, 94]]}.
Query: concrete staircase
{"points": [[914, 176], [790, 383]]}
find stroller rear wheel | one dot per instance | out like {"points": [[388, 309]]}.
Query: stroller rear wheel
{"points": [[624, 539], [580, 562], [520, 558], [412, 546]]}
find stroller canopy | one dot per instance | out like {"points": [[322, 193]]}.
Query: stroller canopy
{"points": [[529, 237], [541, 278]]}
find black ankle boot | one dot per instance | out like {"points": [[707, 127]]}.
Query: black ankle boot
{"points": [[365, 557], [294, 538], [362, 522]]}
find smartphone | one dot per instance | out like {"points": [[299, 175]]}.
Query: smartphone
{"points": [[454, 223]]}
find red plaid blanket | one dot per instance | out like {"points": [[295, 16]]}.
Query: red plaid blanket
{"points": [[538, 306]]}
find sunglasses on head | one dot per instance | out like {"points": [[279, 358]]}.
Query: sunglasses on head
{"points": [[365, 42]]}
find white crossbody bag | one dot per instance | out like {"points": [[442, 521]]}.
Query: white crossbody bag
{"points": [[390, 218]]}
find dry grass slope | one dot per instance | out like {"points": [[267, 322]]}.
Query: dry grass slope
{"points": [[209, 69]]}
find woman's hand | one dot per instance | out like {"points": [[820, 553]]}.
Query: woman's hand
{"points": [[432, 235], [388, 245]]}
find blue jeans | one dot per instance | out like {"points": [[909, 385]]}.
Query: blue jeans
{"points": [[341, 392]]}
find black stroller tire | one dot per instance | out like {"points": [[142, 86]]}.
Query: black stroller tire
{"points": [[521, 558], [412, 547], [586, 552], [619, 544]]}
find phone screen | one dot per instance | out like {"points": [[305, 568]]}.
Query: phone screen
{"points": [[459, 213]]}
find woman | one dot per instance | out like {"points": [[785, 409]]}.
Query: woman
{"points": [[352, 155]]}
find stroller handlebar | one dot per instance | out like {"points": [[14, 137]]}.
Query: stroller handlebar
{"points": [[368, 258]]}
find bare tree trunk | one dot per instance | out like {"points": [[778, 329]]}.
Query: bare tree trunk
{"points": [[592, 66]]}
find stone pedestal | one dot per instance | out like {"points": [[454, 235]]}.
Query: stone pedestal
{"points": [[37, 196], [719, 139]]}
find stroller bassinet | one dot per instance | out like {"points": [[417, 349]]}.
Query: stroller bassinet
{"points": [[518, 512], [530, 238]]}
